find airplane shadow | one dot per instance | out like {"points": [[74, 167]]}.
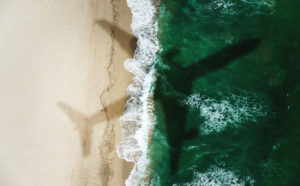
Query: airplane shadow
{"points": [[127, 41], [181, 80], [84, 123]]}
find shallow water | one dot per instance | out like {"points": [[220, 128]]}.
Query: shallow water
{"points": [[227, 95]]}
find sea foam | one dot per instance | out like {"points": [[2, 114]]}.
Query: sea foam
{"points": [[137, 120], [216, 176], [232, 110]]}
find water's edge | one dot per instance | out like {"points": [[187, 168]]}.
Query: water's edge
{"points": [[138, 120]]}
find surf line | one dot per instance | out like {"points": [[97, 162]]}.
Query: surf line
{"points": [[137, 121]]}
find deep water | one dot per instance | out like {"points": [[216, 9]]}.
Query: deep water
{"points": [[227, 96]]}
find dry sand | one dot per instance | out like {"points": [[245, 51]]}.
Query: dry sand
{"points": [[62, 92]]}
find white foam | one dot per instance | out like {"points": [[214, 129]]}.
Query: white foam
{"points": [[233, 110], [137, 119], [233, 7], [216, 176]]}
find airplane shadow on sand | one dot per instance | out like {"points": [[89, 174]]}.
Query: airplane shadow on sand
{"points": [[84, 123], [127, 41]]}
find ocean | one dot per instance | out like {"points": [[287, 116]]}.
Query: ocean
{"points": [[227, 97], [215, 98]]}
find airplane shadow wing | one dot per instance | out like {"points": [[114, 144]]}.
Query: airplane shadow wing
{"points": [[127, 41], [222, 58]]}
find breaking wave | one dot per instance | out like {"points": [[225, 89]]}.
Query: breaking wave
{"points": [[137, 120]]}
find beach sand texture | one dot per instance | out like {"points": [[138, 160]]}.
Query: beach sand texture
{"points": [[63, 88]]}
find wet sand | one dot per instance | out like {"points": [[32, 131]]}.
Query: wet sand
{"points": [[63, 87]]}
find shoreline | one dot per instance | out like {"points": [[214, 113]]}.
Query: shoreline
{"points": [[138, 120]]}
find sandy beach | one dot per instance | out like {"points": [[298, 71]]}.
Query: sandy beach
{"points": [[63, 89]]}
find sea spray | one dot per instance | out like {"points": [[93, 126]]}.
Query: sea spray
{"points": [[137, 119]]}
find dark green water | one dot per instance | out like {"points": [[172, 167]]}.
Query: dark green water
{"points": [[227, 97]]}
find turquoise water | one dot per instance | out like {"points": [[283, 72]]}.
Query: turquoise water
{"points": [[227, 95]]}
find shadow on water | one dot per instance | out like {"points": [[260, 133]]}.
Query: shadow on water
{"points": [[127, 41], [85, 123], [180, 83]]}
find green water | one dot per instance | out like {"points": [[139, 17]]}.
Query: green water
{"points": [[227, 96]]}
